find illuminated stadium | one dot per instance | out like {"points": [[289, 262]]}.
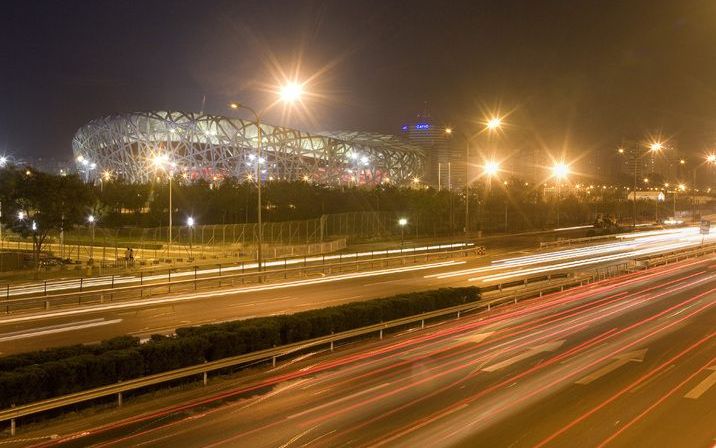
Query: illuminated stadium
{"points": [[211, 147]]}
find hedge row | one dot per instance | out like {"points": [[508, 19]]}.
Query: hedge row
{"points": [[40, 375], [13, 362]]}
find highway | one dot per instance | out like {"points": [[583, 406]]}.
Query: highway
{"points": [[623, 362], [162, 314]]}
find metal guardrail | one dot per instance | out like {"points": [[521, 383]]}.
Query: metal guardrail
{"points": [[675, 256], [272, 354], [144, 290], [571, 241]]}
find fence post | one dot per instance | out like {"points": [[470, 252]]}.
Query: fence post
{"points": [[12, 423], [194, 278], [119, 399], [206, 376], [81, 279]]}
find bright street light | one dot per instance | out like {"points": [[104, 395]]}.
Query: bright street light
{"points": [[90, 220], [491, 168], [494, 123], [560, 170], [190, 221], [448, 131], [402, 222], [291, 92], [3, 161], [711, 158], [657, 146]]}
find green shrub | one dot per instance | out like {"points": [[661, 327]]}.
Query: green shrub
{"points": [[38, 375]]}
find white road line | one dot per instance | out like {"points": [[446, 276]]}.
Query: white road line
{"points": [[36, 333]]}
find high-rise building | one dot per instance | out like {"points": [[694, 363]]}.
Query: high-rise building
{"points": [[445, 167]]}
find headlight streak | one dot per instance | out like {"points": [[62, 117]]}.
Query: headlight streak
{"points": [[571, 374], [103, 281], [631, 242], [226, 292]]}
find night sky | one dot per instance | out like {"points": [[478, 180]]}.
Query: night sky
{"points": [[574, 75]]}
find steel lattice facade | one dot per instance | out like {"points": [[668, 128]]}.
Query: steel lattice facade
{"points": [[212, 147]]}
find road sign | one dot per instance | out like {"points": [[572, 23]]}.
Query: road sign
{"points": [[705, 226]]}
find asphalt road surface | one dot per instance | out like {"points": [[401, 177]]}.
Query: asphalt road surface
{"points": [[93, 323], [626, 362]]}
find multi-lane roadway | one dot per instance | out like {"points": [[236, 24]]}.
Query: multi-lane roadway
{"points": [[624, 362], [92, 323]]}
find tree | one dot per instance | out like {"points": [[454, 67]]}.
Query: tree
{"points": [[36, 204]]}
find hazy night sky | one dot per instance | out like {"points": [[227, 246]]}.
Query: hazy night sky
{"points": [[578, 74]]}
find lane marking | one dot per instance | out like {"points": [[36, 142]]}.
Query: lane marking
{"points": [[619, 360], [703, 386], [546, 347], [63, 329]]}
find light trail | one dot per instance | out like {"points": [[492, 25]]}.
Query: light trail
{"points": [[558, 358], [123, 280], [632, 245], [461, 363], [643, 378], [224, 292], [584, 262], [671, 392]]}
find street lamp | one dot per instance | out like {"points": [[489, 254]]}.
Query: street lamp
{"points": [[654, 148], [560, 171], [402, 222], [491, 168], [491, 124], [659, 197], [161, 161], [289, 93], [91, 221], [494, 123], [190, 224]]}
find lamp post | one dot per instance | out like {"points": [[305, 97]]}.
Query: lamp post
{"points": [[3, 163], [654, 148], [493, 124], [161, 161], [289, 93], [659, 197], [190, 225], [91, 221], [402, 222], [560, 171]]}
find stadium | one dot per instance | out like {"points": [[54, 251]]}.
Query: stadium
{"points": [[212, 147]]}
